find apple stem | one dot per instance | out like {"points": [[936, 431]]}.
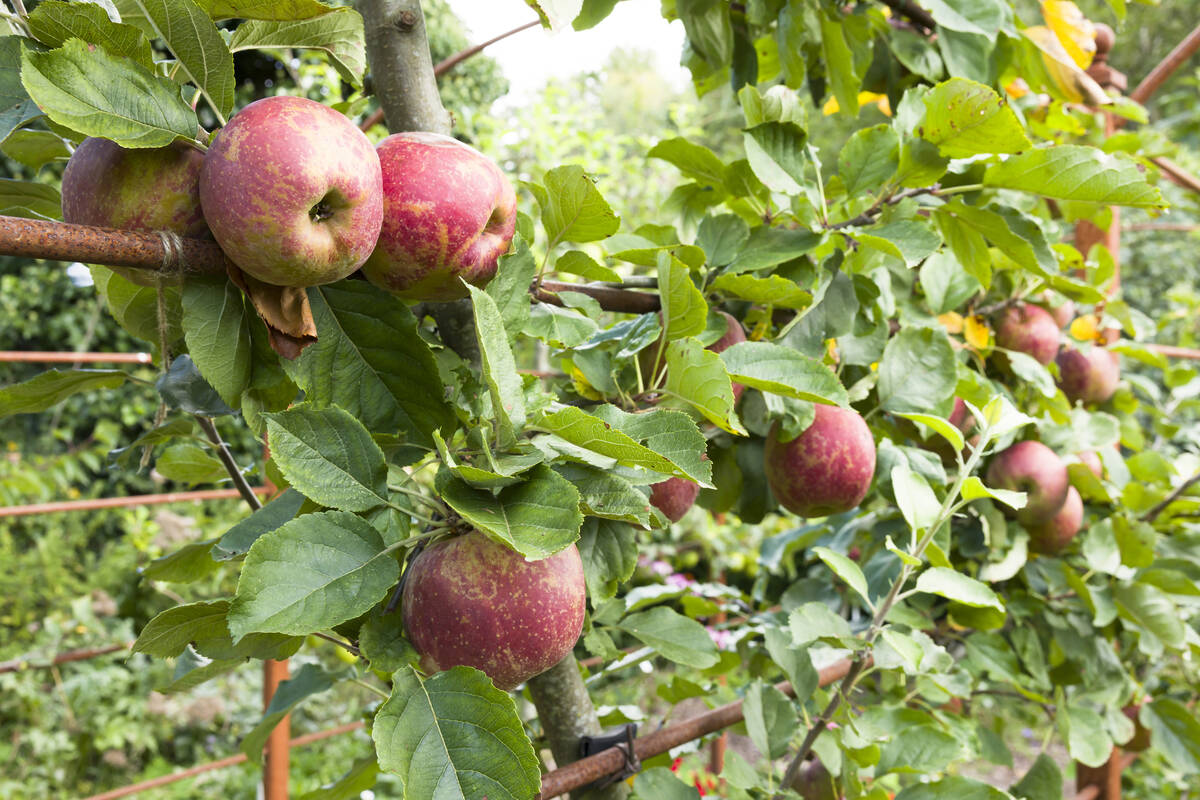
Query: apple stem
{"points": [[429, 501], [370, 688]]}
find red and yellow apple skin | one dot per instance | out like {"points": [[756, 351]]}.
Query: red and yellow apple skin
{"points": [[825, 470], [1035, 469], [473, 602], [1052, 536], [1088, 376], [1028, 329], [449, 214], [156, 189], [293, 192]]}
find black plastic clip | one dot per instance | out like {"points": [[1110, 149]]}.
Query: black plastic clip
{"points": [[622, 740]]}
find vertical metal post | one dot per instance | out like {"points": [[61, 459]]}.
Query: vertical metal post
{"points": [[1106, 777], [275, 763]]}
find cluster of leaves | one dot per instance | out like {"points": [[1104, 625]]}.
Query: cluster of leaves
{"points": [[864, 281]]}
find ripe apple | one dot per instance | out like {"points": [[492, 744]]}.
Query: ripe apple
{"points": [[1035, 469], [1053, 535], [825, 470], [156, 189], [673, 497], [1088, 376], [448, 213], [1028, 329], [814, 782], [293, 192], [1063, 313], [474, 602]]}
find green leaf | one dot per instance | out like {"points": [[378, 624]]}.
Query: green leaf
{"points": [[1087, 740], [1150, 611], [781, 370], [370, 360], [793, 660], [263, 9], [709, 30], [775, 151], [603, 494], [36, 149], [839, 64], [815, 620], [314, 572], [917, 502], [558, 327], [183, 387], [970, 250], [973, 489], [577, 262], [660, 783], [203, 625], [352, 785], [917, 53], [310, 680], [919, 749], [984, 17], [674, 636], [1043, 781], [770, 718], [193, 669], [869, 159], [695, 161], [697, 377], [942, 427], [1030, 370], [671, 434], [845, 569], [909, 240], [135, 108], [769, 247], [238, 539], [593, 13], [773, 290], [609, 552], [683, 307], [1075, 172], [29, 199], [952, 788], [135, 308], [187, 564], [216, 327], [964, 118], [1175, 732], [499, 368], [381, 641], [918, 371], [1016, 236], [53, 22], [329, 457], [454, 736], [573, 210], [15, 106], [537, 517], [339, 35], [189, 463], [959, 588], [602, 433], [51, 388]]}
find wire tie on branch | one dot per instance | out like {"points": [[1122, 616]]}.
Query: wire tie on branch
{"points": [[620, 740]]}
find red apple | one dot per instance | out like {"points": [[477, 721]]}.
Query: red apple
{"points": [[448, 213], [673, 497], [815, 783], [1028, 329], [137, 190], [1063, 313], [471, 601], [826, 469], [293, 193], [1053, 535], [1088, 376], [961, 416], [1035, 469]]}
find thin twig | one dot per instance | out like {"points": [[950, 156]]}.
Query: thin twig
{"points": [[1158, 508], [868, 216], [339, 642], [235, 473]]}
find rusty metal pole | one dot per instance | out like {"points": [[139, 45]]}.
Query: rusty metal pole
{"points": [[275, 762]]}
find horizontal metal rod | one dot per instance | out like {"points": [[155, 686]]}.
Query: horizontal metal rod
{"points": [[199, 769], [122, 502], [1167, 67], [1171, 351], [20, 664], [605, 763], [46, 357]]}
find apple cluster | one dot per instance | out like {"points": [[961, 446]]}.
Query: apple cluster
{"points": [[1086, 376], [295, 195]]}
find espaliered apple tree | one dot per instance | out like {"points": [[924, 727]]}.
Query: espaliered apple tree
{"points": [[842, 353]]}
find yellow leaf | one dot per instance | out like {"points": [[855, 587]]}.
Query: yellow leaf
{"points": [[1017, 88], [864, 98], [1075, 32], [582, 387], [952, 321], [976, 332], [1085, 328], [1072, 83]]}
